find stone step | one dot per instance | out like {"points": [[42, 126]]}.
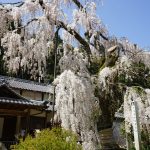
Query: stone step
{"points": [[107, 141], [106, 138]]}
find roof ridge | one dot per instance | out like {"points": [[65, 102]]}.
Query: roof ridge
{"points": [[23, 80], [26, 84], [10, 98]]}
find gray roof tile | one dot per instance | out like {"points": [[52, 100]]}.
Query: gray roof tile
{"points": [[25, 102], [28, 85], [15, 101]]}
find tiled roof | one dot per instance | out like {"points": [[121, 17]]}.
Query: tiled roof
{"points": [[26, 102], [47, 103], [28, 85], [8, 96]]}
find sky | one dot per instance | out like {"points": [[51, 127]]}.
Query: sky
{"points": [[125, 18]]}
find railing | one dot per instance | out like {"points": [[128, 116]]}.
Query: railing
{"points": [[7, 144]]}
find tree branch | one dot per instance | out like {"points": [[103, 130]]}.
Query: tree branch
{"points": [[79, 5], [15, 3], [28, 23], [104, 37], [77, 36], [71, 31]]}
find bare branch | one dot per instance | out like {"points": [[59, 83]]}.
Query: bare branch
{"points": [[80, 6], [104, 37], [18, 4], [28, 23], [77, 36], [34, 19]]}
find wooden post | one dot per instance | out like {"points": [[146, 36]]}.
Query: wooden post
{"points": [[18, 124], [45, 119], [28, 121], [135, 124]]}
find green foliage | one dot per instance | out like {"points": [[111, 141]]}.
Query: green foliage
{"points": [[50, 62], [96, 64], [145, 142], [111, 60], [55, 139], [95, 114], [139, 90], [122, 128], [122, 78], [137, 75]]}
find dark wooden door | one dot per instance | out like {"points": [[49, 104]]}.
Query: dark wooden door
{"points": [[9, 128]]}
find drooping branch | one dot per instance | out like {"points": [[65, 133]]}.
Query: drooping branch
{"points": [[77, 36], [18, 4], [79, 5], [104, 37], [71, 31], [18, 29], [74, 33]]}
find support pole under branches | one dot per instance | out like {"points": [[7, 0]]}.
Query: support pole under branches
{"points": [[55, 65]]}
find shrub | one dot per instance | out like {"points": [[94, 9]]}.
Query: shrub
{"points": [[55, 139]]}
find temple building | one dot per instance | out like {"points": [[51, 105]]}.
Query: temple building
{"points": [[24, 105]]}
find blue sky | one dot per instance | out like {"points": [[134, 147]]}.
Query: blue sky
{"points": [[125, 18]]}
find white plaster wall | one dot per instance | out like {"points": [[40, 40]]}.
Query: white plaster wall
{"points": [[28, 94], [38, 95], [32, 95]]}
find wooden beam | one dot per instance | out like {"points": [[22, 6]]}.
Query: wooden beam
{"points": [[12, 112]]}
